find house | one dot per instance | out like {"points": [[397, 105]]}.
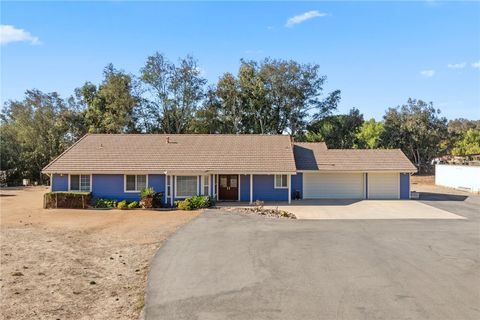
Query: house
{"points": [[227, 167]]}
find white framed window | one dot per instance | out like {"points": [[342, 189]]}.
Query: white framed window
{"points": [[186, 186], [79, 182], [206, 185], [135, 182], [281, 181], [169, 186]]}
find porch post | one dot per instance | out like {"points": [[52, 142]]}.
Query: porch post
{"points": [[289, 182], [251, 188], [216, 190], [172, 189]]}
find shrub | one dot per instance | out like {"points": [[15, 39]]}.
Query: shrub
{"points": [[147, 192], [105, 203], [147, 197], [122, 205], [157, 200], [184, 204], [195, 202], [133, 205], [72, 200], [259, 204]]}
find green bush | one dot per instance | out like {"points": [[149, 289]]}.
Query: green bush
{"points": [[105, 203], [122, 205], [157, 200], [147, 192], [133, 205], [184, 204], [195, 202]]}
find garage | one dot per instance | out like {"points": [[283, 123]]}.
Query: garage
{"points": [[333, 186], [383, 185]]}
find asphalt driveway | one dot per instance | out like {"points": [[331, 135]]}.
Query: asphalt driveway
{"points": [[224, 265]]}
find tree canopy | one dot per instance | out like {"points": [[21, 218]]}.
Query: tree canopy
{"points": [[271, 96]]}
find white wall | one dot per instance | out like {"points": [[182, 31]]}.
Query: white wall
{"points": [[461, 177]]}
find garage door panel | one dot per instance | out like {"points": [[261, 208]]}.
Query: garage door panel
{"points": [[383, 185], [333, 186]]}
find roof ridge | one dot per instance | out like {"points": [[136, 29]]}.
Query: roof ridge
{"points": [[190, 134]]}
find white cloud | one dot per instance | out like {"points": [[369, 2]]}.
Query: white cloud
{"points": [[428, 73], [476, 65], [457, 65], [304, 17], [9, 34]]}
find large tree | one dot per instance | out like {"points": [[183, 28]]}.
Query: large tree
{"points": [[468, 144], [110, 107], [33, 132], [176, 91], [418, 129], [273, 97], [338, 131], [369, 134]]}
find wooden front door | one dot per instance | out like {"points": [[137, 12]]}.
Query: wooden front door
{"points": [[228, 187]]}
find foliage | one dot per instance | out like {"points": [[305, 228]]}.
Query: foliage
{"points": [[109, 108], [133, 205], [417, 129], [177, 91], [338, 131], [147, 192], [157, 200], [32, 133], [122, 205], [195, 202], [269, 97], [105, 203], [468, 144], [368, 136]]}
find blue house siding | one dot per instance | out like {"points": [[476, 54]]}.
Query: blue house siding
{"points": [[404, 186], [59, 182], [263, 189], [297, 185], [157, 182], [111, 186], [245, 187]]}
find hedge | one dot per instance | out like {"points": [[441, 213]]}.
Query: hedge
{"points": [[72, 200]]}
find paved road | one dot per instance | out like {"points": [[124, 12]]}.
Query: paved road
{"points": [[231, 266]]}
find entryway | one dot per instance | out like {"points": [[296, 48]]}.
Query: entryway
{"points": [[228, 187]]}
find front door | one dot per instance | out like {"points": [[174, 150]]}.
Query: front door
{"points": [[228, 187]]}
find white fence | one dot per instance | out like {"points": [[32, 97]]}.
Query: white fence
{"points": [[459, 177]]}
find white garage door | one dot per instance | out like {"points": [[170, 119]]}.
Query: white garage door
{"points": [[383, 186], [333, 186]]}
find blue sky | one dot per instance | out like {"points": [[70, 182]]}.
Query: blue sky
{"points": [[377, 53]]}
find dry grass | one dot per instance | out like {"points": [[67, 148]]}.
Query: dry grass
{"points": [[76, 264], [422, 180]]}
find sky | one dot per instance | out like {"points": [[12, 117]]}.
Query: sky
{"points": [[377, 53]]}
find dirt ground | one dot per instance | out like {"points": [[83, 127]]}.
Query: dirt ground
{"points": [[76, 264], [422, 180]]}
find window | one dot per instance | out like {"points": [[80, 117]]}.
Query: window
{"points": [[206, 185], [186, 186], [169, 186], [281, 181], [80, 182], [135, 183]]}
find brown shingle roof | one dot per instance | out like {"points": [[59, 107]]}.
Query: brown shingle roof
{"points": [[119, 153], [316, 156]]}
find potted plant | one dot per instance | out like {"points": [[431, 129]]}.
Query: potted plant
{"points": [[146, 200]]}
